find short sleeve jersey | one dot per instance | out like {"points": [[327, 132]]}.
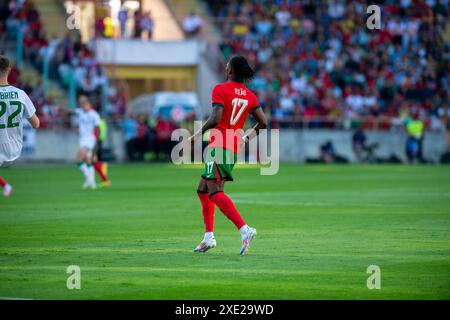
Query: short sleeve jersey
{"points": [[237, 102], [14, 106], [87, 122]]}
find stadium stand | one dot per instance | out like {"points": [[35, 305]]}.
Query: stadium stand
{"points": [[67, 55], [318, 68]]}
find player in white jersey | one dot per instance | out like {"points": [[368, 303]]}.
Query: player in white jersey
{"points": [[14, 106], [88, 123]]}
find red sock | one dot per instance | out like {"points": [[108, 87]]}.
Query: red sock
{"points": [[3, 182], [207, 211], [98, 168], [227, 207]]}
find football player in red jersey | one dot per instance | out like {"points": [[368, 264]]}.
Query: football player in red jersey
{"points": [[232, 102]]}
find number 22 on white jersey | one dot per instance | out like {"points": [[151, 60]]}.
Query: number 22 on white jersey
{"points": [[239, 104]]}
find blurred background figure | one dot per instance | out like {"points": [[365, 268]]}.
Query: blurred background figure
{"points": [[327, 152], [364, 152], [123, 19], [163, 143], [192, 25], [359, 144], [414, 128], [147, 25], [142, 142], [138, 24]]}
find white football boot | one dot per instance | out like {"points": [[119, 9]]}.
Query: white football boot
{"points": [[247, 239], [92, 184], [86, 184], [205, 245], [7, 190]]}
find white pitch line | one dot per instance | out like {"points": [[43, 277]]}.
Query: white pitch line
{"points": [[14, 298]]}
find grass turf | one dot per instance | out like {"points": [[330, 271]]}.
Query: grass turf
{"points": [[319, 227]]}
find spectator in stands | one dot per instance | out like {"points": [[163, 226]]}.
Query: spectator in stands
{"points": [[137, 24], [359, 144], [147, 24], [130, 126], [192, 25], [109, 27], [142, 141], [327, 152], [61, 120], [118, 95], [14, 76], [123, 18], [99, 27], [163, 144]]}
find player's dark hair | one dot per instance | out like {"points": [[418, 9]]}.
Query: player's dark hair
{"points": [[240, 69], [4, 65]]}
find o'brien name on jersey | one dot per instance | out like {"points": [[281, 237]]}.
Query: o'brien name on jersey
{"points": [[9, 95]]}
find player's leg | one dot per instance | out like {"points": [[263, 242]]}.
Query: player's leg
{"points": [[208, 208], [99, 168], [224, 203], [219, 164], [90, 168], [7, 188], [80, 157], [228, 208]]}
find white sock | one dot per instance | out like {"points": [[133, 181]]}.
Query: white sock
{"points": [[243, 230], [84, 169], [91, 173], [209, 235]]}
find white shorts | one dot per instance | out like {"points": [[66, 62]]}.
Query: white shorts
{"points": [[9, 153], [88, 143], [6, 164]]}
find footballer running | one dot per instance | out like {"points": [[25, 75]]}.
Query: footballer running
{"points": [[232, 102], [14, 106], [88, 126]]}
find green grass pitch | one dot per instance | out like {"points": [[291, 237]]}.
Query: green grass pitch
{"points": [[319, 227]]}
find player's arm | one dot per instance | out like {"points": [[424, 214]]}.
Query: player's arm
{"points": [[97, 127], [213, 120], [34, 121], [218, 102], [29, 111], [260, 117], [97, 133]]}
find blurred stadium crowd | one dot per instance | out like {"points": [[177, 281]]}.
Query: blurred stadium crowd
{"points": [[67, 55], [317, 67], [317, 64]]}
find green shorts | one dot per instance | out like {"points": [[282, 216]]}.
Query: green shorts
{"points": [[219, 163]]}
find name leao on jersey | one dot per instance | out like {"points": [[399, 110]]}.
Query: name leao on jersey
{"points": [[240, 91]]}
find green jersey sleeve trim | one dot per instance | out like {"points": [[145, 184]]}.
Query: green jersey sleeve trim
{"points": [[216, 104], [256, 108]]}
